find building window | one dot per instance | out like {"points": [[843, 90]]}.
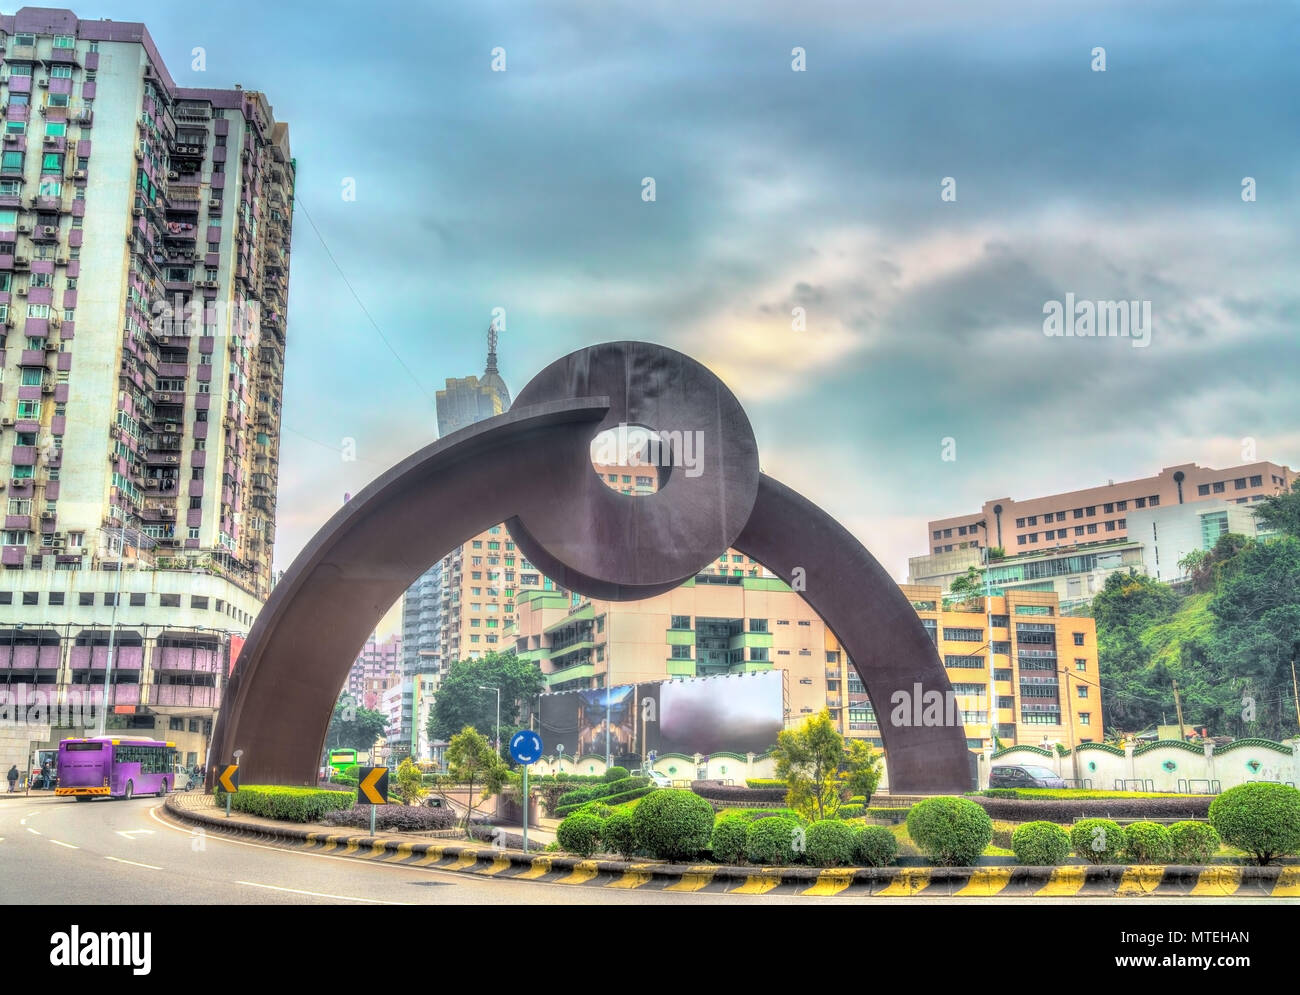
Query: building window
{"points": [[198, 602], [1202, 489], [681, 622], [137, 600], [758, 625], [1080, 663], [1085, 718], [1083, 690], [1257, 481], [1078, 639]]}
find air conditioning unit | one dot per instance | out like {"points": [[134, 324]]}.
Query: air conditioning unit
{"points": [[214, 203], [58, 542], [78, 174], [139, 155], [21, 291], [47, 516], [44, 84], [11, 139], [173, 459], [173, 175], [137, 212], [19, 481], [51, 345], [49, 229], [24, 229], [22, 261], [168, 512], [6, 423], [47, 388], [171, 427], [115, 432], [61, 260], [51, 140]]}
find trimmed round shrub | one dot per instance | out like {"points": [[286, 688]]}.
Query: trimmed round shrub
{"points": [[619, 835], [1040, 844], [828, 843], [950, 831], [874, 846], [673, 824], [580, 833], [1262, 819], [729, 834], [1147, 843], [615, 774], [1098, 841], [599, 809], [774, 841], [1193, 842]]}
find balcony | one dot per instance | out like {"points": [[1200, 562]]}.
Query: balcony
{"points": [[29, 657], [96, 657], [187, 658], [184, 695]]}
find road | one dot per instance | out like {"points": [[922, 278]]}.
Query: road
{"points": [[56, 851]]}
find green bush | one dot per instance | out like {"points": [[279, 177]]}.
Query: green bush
{"points": [[619, 835], [828, 843], [850, 811], [765, 782], [599, 809], [1040, 844], [728, 844], [1001, 793], [288, 804], [1098, 841], [626, 796], [1147, 843], [615, 774], [579, 796], [874, 846], [773, 841], [673, 824], [580, 833], [1193, 842], [950, 831], [1262, 819], [891, 815]]}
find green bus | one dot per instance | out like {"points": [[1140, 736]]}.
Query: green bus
{"points": [[342, 759]]}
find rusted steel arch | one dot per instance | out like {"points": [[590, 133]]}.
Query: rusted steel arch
{"points": [[531, 467]]}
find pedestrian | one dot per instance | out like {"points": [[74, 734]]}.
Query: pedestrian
{"points": [[13, 778]]}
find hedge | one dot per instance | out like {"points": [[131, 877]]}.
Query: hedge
{"points": [[615, 774], [394, 818], [1147, 843], [765, 782], [1063, 811], [950, 831], [874, 846], [1098, 841], [1040, 844], [737, 795], [580, 833], [728, 843], [619, 835], [1193, 842], [1262, 819], [672, 824], [850, 811], [618, 799], [829, 843], [289, 804], [773, 841]]}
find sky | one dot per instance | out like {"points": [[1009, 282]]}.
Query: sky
{"points": [[775, 189]]}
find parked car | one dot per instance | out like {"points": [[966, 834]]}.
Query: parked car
{"points": [[1024, 776], [657, 779]]}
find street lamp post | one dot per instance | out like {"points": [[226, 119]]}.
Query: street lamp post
{"points": [[112, 628], [498, 691]]}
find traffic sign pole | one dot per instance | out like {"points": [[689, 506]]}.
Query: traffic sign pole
{"points": [[525, 749], [372, 820], [525, 808]]}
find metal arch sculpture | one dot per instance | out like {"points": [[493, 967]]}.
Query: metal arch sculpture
{"points": [[531, 468]]}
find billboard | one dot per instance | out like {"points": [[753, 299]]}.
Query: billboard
{"points": [[740, 713]]}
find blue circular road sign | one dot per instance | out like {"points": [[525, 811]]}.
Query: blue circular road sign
{"points": [[526, 747]]}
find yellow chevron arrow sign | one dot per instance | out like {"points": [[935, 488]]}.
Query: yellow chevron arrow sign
{"points": [[372, 788], [228, 779]]}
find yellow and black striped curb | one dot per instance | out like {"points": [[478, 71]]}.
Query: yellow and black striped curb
{"points": [[1073, 880]]}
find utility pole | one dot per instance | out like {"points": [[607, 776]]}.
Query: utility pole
{"points": [[1069, 711], [1179, 706]]}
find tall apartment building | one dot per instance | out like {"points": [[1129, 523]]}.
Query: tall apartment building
{"points": [[377, 668], [144, 264], [1100, 513], [430, 635]]}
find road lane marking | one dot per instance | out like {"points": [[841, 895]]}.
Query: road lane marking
{"points": [[68, 845], [33, 831], [133, 833], [321, 894], [119, 860]]}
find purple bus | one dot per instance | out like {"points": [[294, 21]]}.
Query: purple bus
{"points": [[115, 768]]}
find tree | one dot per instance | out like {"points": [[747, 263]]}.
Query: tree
{"points": [[967, 590], [1280, 513], [461, 700], [1135, 688], [471, 760], [808, 759], [861, 769], [410, 782], [354, 728]]}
